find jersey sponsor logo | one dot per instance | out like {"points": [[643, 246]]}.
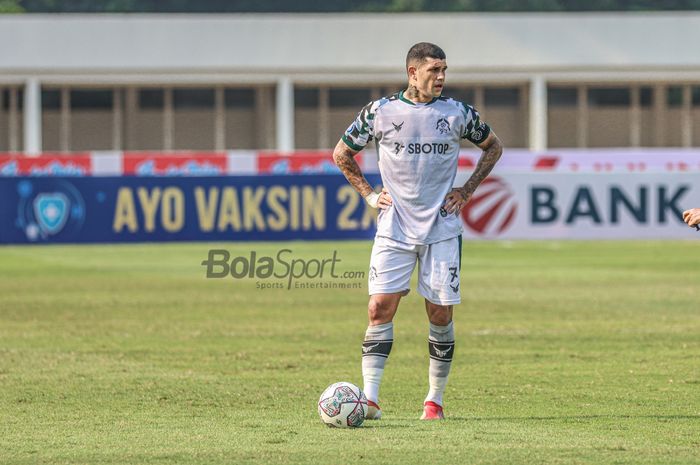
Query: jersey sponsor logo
{"points": [[492, 209], [443, 126], [397, 127], [416, 148], [398, 147]]}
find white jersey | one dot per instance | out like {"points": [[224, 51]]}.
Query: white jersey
{"points": [[418, 150]]}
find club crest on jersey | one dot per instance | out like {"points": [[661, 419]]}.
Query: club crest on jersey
{"points": [[442, 126]]}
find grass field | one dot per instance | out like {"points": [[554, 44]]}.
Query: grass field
{"points": [[567, 352]]}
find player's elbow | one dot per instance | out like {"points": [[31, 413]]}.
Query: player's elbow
{"points": [[494, 146], [497, 144], [341, 153], [337, 157]]}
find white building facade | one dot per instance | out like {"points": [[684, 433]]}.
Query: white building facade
{"points": [[71, 83]]}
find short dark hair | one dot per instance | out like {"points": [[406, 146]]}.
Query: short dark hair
{"points": [[423, 50]]}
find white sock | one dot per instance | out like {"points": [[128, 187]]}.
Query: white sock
{"points": [[372, 378], [441, 343], [375, 350], [437, 388]]}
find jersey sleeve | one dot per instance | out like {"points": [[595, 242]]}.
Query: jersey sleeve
{"points": [[361, 131], [475, 130]]}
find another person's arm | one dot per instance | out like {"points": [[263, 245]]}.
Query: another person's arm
{"points": [[692, 216]]}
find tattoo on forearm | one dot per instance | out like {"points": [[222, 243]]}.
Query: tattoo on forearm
{"points": [[345, 160], [488, 160]]}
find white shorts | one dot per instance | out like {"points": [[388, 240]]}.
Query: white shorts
{"points": [[392, 264]]}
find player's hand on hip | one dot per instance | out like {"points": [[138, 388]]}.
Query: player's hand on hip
{"points": [[456, 200], [384, 199], [692, 216], [381, 200]]}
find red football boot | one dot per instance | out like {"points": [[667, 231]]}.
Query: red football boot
{"points": [[432, 411], [373, 411]]}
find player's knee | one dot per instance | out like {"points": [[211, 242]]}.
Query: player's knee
{"points": [[379, 311], [441, 320], [440, 315]]}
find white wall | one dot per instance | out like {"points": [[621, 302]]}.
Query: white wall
{"points": [[349, 43]]}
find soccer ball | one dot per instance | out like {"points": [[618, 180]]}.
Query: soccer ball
{"points": [[342, 405]]}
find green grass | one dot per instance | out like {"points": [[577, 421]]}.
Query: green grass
{"points": [[567, 352]]}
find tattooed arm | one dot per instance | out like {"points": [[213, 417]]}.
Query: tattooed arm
{"points": [[492, 150], [344, 157]]}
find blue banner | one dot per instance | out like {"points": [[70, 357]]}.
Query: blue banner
{"points": [[237, 208]]}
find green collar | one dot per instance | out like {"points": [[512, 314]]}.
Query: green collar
{"points": [[405, 100]]}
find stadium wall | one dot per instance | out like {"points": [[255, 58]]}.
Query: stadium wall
{"points": [[136, 197], [291, 82]]}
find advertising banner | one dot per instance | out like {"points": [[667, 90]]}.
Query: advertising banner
{"points": [[324, 207], [178, 164], [299, 162], [249, 162], [130, 209], [48, 164], [581, 206]]}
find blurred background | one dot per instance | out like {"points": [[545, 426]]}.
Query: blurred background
{"points": [[129, 87], [545, 74]]}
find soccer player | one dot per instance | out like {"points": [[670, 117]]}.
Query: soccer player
{"points": [[692, 217], [417, 134]]}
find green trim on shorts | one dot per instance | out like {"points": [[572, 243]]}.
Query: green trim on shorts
{"points": [[459, 238]]}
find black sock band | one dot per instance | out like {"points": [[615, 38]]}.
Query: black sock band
{"points": [[441, 351], [377, 348]]}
